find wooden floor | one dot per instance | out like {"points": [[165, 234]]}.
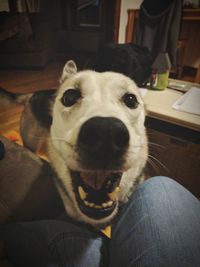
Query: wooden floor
{"points": [[25, 81]]}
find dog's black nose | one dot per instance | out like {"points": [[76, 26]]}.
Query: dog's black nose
{"points": [[103, 139]]}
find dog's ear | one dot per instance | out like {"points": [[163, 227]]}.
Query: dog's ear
{"points": [[68, 70]]}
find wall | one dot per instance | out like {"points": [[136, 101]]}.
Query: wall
{"points": [[125, 5], [4, 5]]}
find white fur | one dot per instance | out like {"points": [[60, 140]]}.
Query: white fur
{"points": [[101, 96]]}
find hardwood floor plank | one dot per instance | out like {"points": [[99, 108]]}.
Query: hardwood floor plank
{"points": [[9, 118], [25, 81], [30, 80]]}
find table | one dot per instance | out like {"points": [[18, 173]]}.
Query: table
{"points": [[174, 139]]}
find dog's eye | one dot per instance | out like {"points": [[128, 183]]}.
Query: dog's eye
{"points": [[70, 97], [130, 101]]}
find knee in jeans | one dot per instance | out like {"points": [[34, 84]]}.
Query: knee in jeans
{"points": [[162, 180]]}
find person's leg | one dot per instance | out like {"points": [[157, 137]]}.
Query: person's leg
{"points": [[53, 243], [158, 227]]}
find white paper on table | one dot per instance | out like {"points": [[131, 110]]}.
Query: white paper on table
{"points": [[189, 102]]}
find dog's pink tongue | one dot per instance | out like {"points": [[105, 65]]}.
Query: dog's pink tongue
{"points": [[95, 179]]}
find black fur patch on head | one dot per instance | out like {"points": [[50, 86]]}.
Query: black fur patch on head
{"points": [[41, 103]]}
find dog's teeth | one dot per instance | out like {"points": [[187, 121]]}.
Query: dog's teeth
{"points": [[91, 205], [86, 203], [82, 193], [104, 205], [109, 203], [113, 195], [98, 207]]}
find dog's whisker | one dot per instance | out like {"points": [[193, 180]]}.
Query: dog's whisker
{"points": [[63, 140], [154, 166], [137, 146], [158, 161], [132, 147], [152, 144], [53, 138], [57, 138]]}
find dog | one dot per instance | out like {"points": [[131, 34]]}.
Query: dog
{"points": [[98, 143]]}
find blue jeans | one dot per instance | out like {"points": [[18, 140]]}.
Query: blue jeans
{"points": [[158, 227]]}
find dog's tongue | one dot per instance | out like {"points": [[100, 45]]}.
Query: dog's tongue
{"points": [[94, 179]]}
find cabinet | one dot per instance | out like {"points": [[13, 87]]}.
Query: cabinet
{"points": [[174, 152]]}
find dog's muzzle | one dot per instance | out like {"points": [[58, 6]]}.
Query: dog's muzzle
{"points": [[102, 145]]}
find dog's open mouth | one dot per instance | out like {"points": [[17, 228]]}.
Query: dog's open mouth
{"points": [[96, 192]]}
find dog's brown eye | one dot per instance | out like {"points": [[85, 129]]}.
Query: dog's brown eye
{"points": [[70, 97], [130, 101]]}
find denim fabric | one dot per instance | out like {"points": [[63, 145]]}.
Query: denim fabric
{"points": [[158, 227], [54, 243]]}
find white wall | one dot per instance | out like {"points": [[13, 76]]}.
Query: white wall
{"points": [[125, 5]]}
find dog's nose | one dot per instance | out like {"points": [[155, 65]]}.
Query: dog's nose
{"points": [[103, 138]]}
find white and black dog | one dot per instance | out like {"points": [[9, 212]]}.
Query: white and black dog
{"points": [[96, 141]]}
